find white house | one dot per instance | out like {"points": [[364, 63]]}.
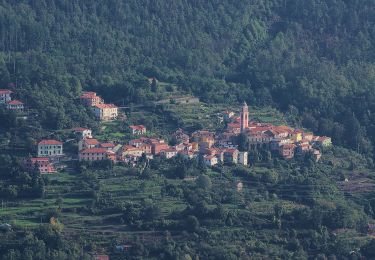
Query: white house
{"points": [[138, 129], [168, 153], [82, 132], [15, 105], [50, 148], [5, 96]]}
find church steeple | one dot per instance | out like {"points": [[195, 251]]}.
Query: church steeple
{"points": [[244, 117]]}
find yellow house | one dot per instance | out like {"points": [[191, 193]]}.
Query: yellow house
{"points": [[105, 111], [297, 135]]}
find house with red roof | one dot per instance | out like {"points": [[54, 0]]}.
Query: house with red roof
{"points": [[287, 151], [88, 143], [15, 105], [277, 132], [234, 128], [96, 154], [179, 147], [108, 146], [147, 148], [180, 136], [303, 146], [5, 96], [101, 257], [156, 148], [50, 148], [168, 153], [42, 164], [130, 153], [322, 141], [308, 136], [90, 99], [136, 142], [137, 129], [82, 133], [105, 112]]}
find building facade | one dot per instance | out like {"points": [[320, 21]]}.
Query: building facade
{"points": [[168, 153], [243, 158], [50, 148], [88, 143], [137, 129], [105, 112], [15, 105], [90, 99], [82, 133], [96, 154], [5, 96], [42, 164]]}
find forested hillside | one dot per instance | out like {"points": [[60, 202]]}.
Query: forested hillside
{"points": [[312, 59]]}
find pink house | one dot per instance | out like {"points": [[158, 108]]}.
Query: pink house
{"points": [[43, 165], [96, 154]]}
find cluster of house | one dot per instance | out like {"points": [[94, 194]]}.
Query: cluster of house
{"points": [[212, 148], [199, 144], [49, 152], [101, 110], [284, 140], [6, 100], [90, 149]]}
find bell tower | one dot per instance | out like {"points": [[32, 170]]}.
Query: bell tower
{"points": [[244, 117]]}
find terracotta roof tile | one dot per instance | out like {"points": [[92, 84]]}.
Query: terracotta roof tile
{"points": [[50, 142], [15, 102], [5, 91], [94, 150]]}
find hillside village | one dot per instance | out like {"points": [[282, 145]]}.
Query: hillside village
{"points": [[211, 148], [213, 130]]}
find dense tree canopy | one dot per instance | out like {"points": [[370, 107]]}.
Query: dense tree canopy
{"points": [[315, 57]]}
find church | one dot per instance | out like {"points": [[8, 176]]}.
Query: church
{"points": [[244, 117]]}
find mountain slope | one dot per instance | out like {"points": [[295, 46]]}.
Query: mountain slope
{"points": [[312, 60]]}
